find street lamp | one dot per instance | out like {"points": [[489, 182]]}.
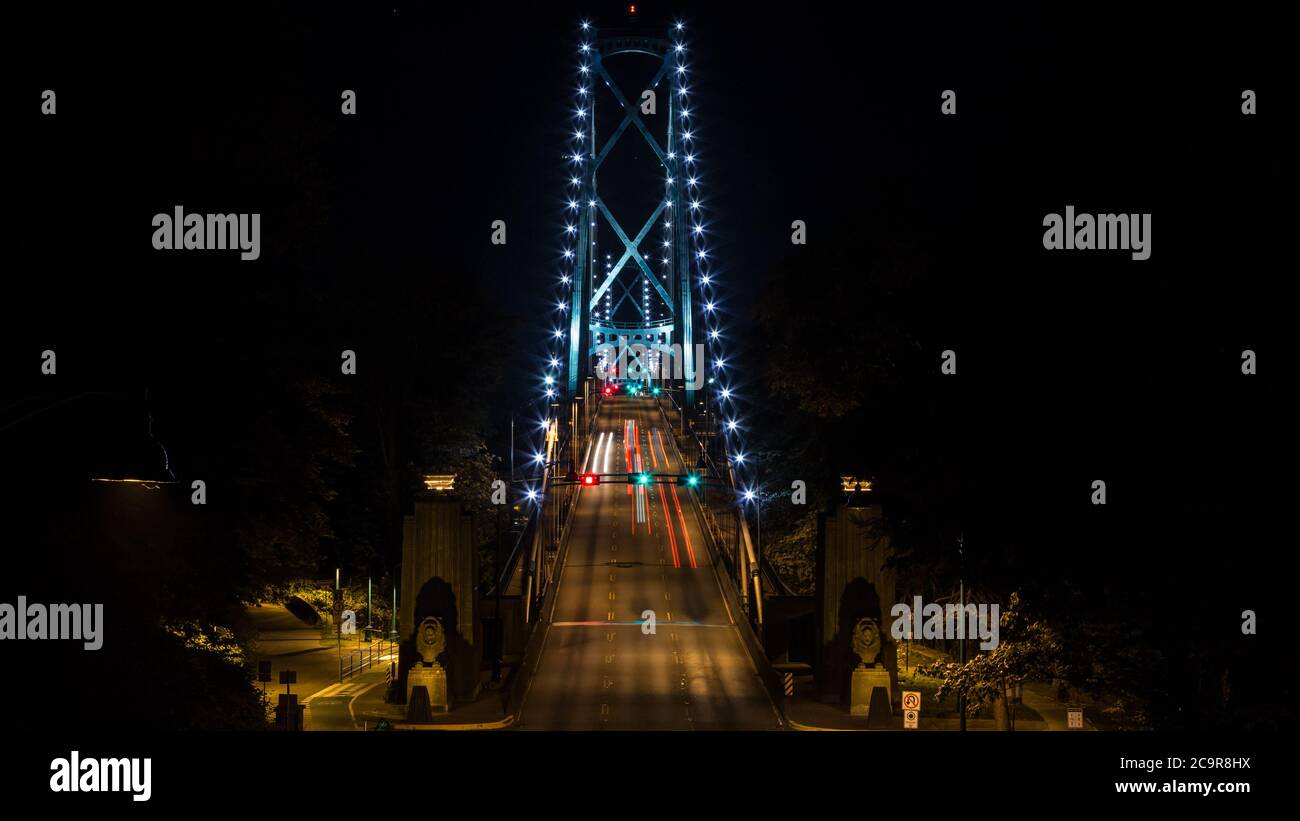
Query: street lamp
{"points": [[757, 499]]}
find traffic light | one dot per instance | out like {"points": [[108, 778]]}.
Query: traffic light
{"points": [[640, 478], [655, 391], [690, 480], [590, 479]]}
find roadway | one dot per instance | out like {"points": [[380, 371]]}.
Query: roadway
{"points": [[628, 553]]}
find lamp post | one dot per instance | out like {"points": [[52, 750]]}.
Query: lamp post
{"points": [[496, 570], [961, 585], [756, 573]]}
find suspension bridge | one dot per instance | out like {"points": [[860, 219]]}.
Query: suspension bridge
{"points": [[640, 579]]}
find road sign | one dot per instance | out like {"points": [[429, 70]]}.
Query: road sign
{"points": [[264, 670], [911, 700], [910, 718], [288, 676], [1074, 716], [788, 681]]}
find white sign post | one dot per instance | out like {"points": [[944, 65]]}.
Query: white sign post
{"points": [[911, 709]]}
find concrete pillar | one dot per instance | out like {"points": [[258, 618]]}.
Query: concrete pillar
{"points": [[852, 582], [440, 572]]}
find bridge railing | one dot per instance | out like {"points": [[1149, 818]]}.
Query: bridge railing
{"points": [[568, 437], [701, 446]]}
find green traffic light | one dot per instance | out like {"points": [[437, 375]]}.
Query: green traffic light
{"points": [[655, 391], [644, 478], [692, 480]]}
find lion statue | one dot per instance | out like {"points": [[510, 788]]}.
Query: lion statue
{"points": [[430, 639], [866, 640]]}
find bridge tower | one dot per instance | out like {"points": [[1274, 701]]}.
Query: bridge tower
{"points": [[634, 252]]}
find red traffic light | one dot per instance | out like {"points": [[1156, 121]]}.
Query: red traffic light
{"points": [[590, 479]]}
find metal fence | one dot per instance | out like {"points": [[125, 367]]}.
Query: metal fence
{"points": [[360, 660]]}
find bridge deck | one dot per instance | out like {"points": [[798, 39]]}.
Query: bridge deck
{"points": [[598, 669]]}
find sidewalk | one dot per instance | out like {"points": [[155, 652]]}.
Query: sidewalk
{"points": [[1045, 713], [487, 712]]}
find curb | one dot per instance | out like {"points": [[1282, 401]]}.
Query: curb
{"points": [[495, 725]]}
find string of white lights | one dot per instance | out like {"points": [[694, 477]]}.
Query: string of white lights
{"points": [[718, 382]]}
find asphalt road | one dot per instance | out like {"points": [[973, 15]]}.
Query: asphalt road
{"points": [[628, 554]]}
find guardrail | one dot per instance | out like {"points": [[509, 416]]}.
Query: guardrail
{"points": [[558, 498], [358, 661], [708, 451]]}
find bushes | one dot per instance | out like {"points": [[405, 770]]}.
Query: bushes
{"points": [[320, 600]]}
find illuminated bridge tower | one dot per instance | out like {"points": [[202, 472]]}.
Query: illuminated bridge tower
{"points": [[633, 251]]}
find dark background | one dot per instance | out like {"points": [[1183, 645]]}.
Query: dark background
{"points": [[924, 234]]}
